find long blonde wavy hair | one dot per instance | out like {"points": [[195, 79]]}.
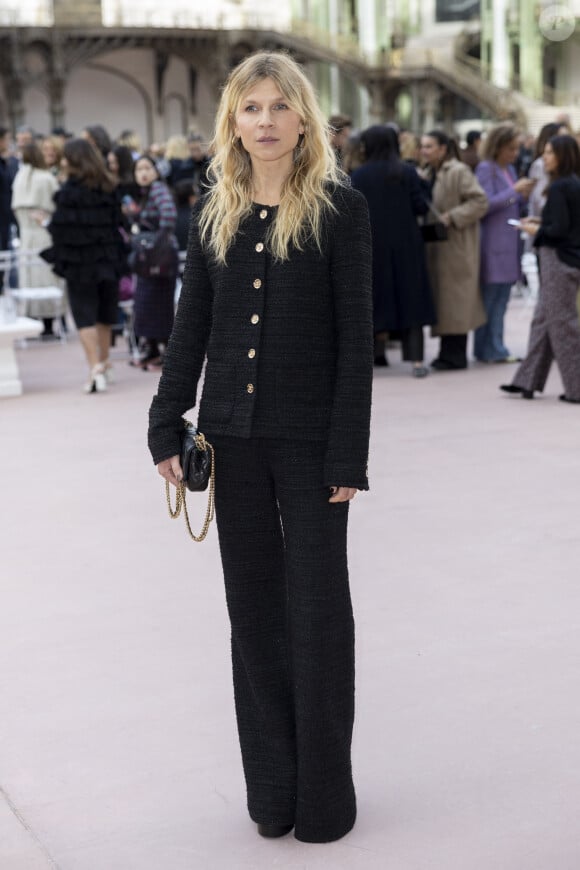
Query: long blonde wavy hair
{"points": [[305, 193]]}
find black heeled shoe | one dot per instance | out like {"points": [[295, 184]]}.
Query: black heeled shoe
{"points": [[513, 389], [274, 830], [444, 365], [564, 398]]}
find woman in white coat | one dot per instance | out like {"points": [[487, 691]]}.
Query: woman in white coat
{"points": [[32, 203]]}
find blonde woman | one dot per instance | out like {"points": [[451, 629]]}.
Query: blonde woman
{"points": [[277, 295], [176, 148]]}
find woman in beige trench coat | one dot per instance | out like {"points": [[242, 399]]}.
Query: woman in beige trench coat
{"points": [[459, 202]]}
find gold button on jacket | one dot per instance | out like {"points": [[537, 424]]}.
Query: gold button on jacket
{"points": [[257, 283], [310, 325], [260, 247], [251, 353], [250, 388], [263, 214]]}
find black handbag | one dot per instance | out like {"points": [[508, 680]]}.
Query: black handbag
{"points": [[198, 466], [153, 256], [436, 232]]}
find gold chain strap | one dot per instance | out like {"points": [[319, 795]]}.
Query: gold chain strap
{"points": [[180, 501]]}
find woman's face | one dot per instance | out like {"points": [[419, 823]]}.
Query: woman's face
{"points": [[112, 163], [145, 173], [49, 153], [268, 128], [432, 152], [550, 159], [508, 153]]}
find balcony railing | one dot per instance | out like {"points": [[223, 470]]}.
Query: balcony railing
{"points": [[195, 14]]}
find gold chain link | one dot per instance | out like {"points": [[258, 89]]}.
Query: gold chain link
{"points": [[180, 501]]}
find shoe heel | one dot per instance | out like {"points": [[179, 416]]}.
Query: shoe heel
{"points": [[98, 381]]}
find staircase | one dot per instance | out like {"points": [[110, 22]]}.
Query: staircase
{"points": [[436, 61], [441, 59]]}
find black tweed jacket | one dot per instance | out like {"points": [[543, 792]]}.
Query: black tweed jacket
{"points": [[289, 345]]}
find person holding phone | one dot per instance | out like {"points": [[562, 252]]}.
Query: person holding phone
{"points": [[555, 330], [500, 245]]}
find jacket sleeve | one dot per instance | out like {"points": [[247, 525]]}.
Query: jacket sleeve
{"points": [[347, 452], [473, 201], [496, 199], [555, 217], [165, 206], [420, 193], [185, 353]]}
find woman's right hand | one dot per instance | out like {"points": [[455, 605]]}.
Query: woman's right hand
{"points": [[524, 186], [170, 469]]}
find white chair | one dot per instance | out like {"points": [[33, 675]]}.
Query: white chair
{"points": [[25, 297]]}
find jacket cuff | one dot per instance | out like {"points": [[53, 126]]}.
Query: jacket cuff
{"points": [[341, 474]]}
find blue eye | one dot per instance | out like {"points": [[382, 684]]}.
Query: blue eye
{"points": [[250, 108], [281, 106]]}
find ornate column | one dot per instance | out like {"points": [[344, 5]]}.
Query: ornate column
{"points": [[531, 52], [430, 96], [415, 108], [57, 82], [376, 92], [500, 63], [14, 82]]}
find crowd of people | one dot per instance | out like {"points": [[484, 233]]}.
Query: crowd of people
{"points": [[103, 219], [449, 227]]}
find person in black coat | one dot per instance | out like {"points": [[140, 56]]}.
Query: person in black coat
{"points": [[401, 291], [88, 251], [277, 296], [8, 170], [555, 330], [185, 198]]}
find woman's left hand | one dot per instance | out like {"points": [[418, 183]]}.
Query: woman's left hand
{"points": [[342, 493], [530, 225]]}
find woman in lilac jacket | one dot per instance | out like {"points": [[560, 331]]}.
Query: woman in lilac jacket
{"points": [[500, 243]]}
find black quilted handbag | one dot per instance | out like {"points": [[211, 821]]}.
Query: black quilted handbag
{"points": [[198, 467]]}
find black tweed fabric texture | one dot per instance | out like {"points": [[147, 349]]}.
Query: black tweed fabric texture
{"points": [[283, 549], [289, 345]]}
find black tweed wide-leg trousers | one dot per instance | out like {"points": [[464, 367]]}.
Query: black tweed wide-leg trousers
{"points": [[283, 549]]}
